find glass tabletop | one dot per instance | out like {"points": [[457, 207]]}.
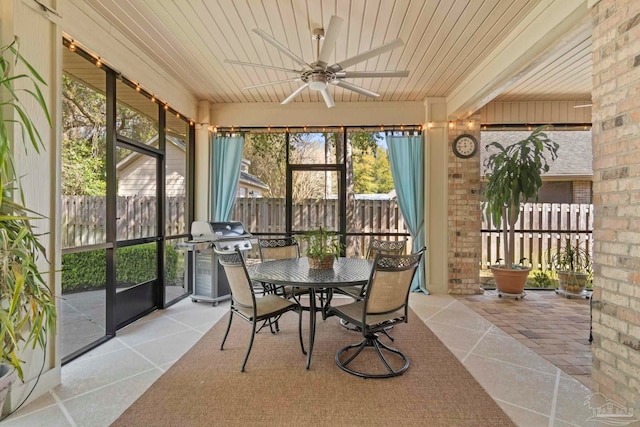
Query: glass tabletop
{"points": [[345, 272]]}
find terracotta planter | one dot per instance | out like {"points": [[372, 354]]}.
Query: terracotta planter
{"points": [[572, 282], [323, 263], [510, 281]]}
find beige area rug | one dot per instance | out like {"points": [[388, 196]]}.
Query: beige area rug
{"points": [[206, 388]]}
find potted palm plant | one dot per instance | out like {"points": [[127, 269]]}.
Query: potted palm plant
{"points": [[322, 247], [514, 176], [27, 306], [573, 267]]}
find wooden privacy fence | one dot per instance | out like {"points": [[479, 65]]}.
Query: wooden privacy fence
{"points": [[268, 216], [84, 218], [541, 229]]}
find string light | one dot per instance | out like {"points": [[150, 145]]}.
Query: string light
{"points": [[99, 63]]}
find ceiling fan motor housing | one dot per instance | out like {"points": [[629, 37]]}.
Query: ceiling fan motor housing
{"points": [[317, 79]]}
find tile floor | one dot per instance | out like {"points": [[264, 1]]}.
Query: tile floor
{"points": [[100, 385]]}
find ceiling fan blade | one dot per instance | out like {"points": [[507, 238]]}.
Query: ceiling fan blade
{"points": [[270, 67], [271, 83], [367, 74], [366, 55], [327, 98], [355, 88], [282, 48], [295, 93], [330, 37]]}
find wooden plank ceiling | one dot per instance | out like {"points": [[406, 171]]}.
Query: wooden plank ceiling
{"points": [[443, 39]]}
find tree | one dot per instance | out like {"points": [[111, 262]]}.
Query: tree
{"points": [[268, 154], [84, 132]]}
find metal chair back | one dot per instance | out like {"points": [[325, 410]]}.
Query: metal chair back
{"points": [[278, 248], [389, 247]]}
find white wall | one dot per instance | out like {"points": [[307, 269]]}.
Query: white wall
{"points": [[317, 114], [40, 172]]}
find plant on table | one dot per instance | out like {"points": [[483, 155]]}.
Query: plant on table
{"points": [[28, 312], [322, 247], [514, 176]]}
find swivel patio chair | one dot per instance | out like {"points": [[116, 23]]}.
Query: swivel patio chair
{"points": [[376, 246], [385, 304], [244, 302]]}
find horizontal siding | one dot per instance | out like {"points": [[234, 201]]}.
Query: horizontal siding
{"points": [[535, 112]]}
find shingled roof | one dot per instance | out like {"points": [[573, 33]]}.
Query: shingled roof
{"points": [[575, 156]]}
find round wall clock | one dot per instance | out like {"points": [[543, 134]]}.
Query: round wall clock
{"points": [[465, 146]]}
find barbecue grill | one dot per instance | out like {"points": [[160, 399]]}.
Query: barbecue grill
{"points": [[204, 273]]}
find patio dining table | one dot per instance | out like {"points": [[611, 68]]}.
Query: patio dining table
{"points": [[296, 272]]}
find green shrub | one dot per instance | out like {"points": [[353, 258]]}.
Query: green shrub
{"points": [[83, 271], [542, 279], [134, 264]]}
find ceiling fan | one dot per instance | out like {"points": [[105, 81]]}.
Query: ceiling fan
{"points": [[318, 75]]}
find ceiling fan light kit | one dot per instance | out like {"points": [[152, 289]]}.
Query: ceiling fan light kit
{"points": [[318, 75]]}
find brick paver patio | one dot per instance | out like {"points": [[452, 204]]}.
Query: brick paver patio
{"points": [[555, 327]]}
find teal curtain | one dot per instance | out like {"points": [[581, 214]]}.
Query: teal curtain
{"points": [[227, 159], [406, 155]]}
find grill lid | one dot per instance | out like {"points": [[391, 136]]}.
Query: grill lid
{"points": [[203, 230]]}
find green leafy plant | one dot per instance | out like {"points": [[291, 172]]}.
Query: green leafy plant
{"points": [[572, 263], [542, 279], [28, 312], [87, 270], [572, 258], [515, 176], [321, 243]]}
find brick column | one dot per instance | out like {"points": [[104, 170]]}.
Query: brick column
{"points": [[465, 250], [616, 191]]}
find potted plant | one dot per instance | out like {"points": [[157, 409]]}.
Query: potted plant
{"points": [[322, 247], [514, 176], [27, 306], [573, 267]]}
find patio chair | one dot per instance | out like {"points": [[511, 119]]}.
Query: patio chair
{"points": [[384, 304], [244, 303], [280, 248], [376, 246]]}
